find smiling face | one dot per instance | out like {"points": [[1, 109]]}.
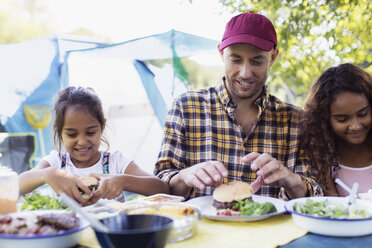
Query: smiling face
{"points": [[81, 136], [351, 118], [246, 70]]}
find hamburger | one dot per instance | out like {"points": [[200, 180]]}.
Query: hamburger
{"points": [[91, 182], [227, 195]]}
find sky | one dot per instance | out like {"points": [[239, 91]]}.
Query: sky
{"points": [[122, 20]]}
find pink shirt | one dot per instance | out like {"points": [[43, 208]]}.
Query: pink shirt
{"points": [[350, 175]]}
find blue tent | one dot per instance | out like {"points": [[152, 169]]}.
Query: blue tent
{"points": [[30, 76], [169, 45], [33, 72]]}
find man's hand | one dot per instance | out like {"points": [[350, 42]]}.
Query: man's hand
{"points": [[209, 173], [271, 171]]}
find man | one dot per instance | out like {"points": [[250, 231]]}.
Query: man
{"points": [[237, 131]]}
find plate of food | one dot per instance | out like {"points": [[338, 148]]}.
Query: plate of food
{"points": [[234, 202], [106, 208], [162, 198], [41, 228], [332, 216]]}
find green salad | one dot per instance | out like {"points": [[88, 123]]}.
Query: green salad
{"points": [[325, 209], [36, 201], [247, 207]]}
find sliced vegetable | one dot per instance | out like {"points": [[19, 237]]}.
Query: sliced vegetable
{"points": [[247, 207], [36, 201], [325, 209]]}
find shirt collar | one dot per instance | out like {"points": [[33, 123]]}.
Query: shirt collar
{"points": [[263, 100], [223, 95]]}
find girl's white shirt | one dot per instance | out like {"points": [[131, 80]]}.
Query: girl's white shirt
{"points": [[118, 163]]}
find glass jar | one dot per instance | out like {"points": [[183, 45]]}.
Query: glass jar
{"points": [[9, 190]]}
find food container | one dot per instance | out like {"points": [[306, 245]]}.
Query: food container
{"points": [[9, 193], [185, 217]]}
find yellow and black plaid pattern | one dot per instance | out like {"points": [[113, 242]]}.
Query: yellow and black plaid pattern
{"points": [[200, 127]]}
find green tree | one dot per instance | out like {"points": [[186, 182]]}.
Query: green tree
{"points": [[312, 36], [22, 20], [199, 76]]}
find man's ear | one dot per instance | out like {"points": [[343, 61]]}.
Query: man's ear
{"points": [[221, 52], [274, 54]]}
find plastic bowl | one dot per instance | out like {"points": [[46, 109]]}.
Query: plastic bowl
{"points": [[185, 217], [137, 231]]}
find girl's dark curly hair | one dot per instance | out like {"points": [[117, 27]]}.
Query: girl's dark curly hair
{"points": [[317, 135]]}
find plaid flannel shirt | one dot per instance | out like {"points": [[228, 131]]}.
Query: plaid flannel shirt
{"points": [[201, 127]]}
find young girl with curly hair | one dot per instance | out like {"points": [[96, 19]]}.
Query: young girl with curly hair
{"points": [[337, 129]]}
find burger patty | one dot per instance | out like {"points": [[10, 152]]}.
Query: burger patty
{"points": [[226, 205], [90, 187], [93, 187]]}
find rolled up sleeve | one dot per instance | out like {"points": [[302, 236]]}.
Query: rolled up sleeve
{"points": [[308, 176]]}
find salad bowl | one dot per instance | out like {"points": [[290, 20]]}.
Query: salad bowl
{"points": [[331, 216]]}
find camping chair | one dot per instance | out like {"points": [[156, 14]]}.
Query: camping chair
{"points": [[17, 150]]}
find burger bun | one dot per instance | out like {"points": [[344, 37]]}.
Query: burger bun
{"points": [[232, 191], [92, 183], [88, 181]]}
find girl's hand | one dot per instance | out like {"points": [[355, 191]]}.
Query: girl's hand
{"points": [[66, 182], [110, 187]]}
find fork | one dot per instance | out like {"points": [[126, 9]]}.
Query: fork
{"points": [[352, 192]]}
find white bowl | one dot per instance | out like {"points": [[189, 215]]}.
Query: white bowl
{"points": [[63, 239], [331, 226]]}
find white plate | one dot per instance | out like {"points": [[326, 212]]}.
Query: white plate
{"points": [[204, 203], [64, 239], [330, 226]]}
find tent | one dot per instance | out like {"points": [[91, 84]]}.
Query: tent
{"points": [[136, 95], [169, 45], [30, 77]]}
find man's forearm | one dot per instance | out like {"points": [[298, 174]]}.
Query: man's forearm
{"points": [[297, 188], [178, 187]]}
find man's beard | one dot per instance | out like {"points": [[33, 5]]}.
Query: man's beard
{"points": [[255, 91]]}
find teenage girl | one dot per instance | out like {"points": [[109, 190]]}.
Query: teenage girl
{"points": [[78, 127], [337, 128]]}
